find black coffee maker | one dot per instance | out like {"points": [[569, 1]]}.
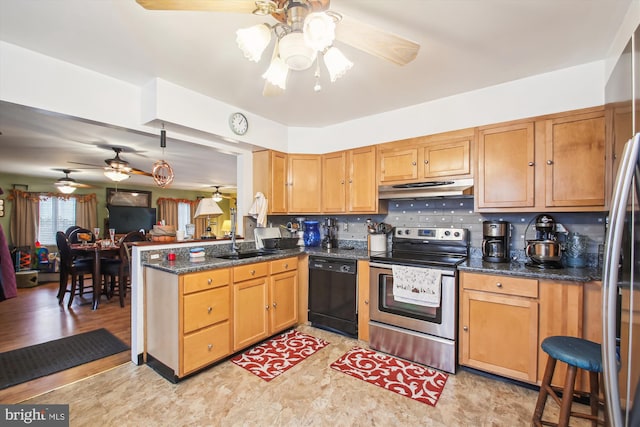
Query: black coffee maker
{"points": [[495, 241], [330, 226]]}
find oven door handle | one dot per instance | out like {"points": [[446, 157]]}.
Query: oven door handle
{"points": [[380, 265]]}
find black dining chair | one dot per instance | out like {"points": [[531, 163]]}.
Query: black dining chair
{"points": [[118, 270], [71, 266]]}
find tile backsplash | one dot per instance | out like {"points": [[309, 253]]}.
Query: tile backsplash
{"points": [[458, 212]]}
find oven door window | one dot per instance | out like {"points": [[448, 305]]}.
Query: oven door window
{"points": [[388, 304]]}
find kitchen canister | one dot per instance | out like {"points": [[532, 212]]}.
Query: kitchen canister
{"points": [[378, 242], [311, 234], [575, 253]]}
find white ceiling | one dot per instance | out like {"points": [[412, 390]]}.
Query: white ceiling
{"points": [[465, 45]]}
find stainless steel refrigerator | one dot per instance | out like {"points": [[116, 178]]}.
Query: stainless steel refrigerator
{"points": [[621, 294]]}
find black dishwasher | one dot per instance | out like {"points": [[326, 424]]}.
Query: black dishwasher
{"points": [[333, 303]]}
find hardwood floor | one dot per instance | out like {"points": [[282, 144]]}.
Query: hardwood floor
{"points": [[34, 316]]}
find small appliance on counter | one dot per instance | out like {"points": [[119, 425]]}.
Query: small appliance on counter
{"points": [[495, 241], [330, 226], [545, 251]]}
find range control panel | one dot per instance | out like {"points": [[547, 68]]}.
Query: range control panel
{"points": [[431, 233]]}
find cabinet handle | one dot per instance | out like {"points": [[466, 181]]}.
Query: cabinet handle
{"points": [[209, 280], [465, 328], [253, 272], [266, 307], [275, 305], [209, 346], [366, 302], [549, 162], [426, 162], [209, 310], [413, 163], [532, 164], [286, 265], [350, 181], [499, 284], [342, 182]]}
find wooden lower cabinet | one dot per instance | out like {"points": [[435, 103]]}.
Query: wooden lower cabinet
{"points": [[187, 320], [266, 304], [193, 320], [363, 300], [504, 319]]}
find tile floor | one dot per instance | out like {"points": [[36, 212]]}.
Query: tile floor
{"points": [[309, 394]]}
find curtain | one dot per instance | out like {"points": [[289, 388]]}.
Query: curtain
{"points": [[25, 212], [168, 211], [87, 211]]}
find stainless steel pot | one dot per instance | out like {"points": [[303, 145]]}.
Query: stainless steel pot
{"points": [[543, 250]]}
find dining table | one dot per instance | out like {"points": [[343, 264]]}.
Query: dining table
{"points": [[96, 250]]}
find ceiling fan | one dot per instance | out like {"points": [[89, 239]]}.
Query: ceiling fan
{"points": [[68, 185], [218, 196], [305, 30], [117, 169]]}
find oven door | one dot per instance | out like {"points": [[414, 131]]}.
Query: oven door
{"points": [[438, 321]]}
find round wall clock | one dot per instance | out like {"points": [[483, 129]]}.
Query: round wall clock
{"points": [[238, 123]]}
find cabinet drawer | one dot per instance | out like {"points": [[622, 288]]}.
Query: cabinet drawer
{"points": [[206, 346], [286, 264], [250, 271], [206, 308], [500, 284], [194, 282]]}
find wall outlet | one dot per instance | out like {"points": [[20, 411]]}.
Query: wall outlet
{"points": [[155, 257], [345, 226]]}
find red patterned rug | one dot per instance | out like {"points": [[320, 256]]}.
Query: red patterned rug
{"points": [[400, 376], [273, 357]]}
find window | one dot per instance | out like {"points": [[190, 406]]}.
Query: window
{"points": [[56, 214], [184, 215]]}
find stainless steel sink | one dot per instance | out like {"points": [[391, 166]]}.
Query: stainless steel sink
{"points": [[242, 255]]}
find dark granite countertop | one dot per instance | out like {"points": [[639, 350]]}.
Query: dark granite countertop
{"points": [[183, 264], [518, 268]]}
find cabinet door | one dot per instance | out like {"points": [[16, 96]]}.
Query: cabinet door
{"points": [[305, 173], [250, 305], [334, 189], [575, 161], [398, 165], [446, 159], [362, 190], [505, 172], [279, 187], [283, 293], [499, 334], [363, 300]]}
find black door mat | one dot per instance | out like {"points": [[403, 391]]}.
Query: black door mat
{"points": [[28, 363]]}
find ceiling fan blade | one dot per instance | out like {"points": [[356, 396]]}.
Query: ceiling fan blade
{"points": [[238, 6], [92, 166], [375, 41], [140, 172]]}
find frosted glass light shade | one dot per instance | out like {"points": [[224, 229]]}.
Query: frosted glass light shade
{"points": [[277, 73], [66, 189], [337, 64], [253, 41], [115, 175], [295, 53], [319, 30]]}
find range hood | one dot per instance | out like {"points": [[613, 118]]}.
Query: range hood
{"points": [[427, 190]]}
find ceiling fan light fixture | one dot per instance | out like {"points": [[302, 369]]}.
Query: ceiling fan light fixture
{"points": [[253, 41], [319, 30], [278, 71], [337, 64], [66, 188], [295, 52], [116, 174]]}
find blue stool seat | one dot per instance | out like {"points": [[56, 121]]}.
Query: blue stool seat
{"points": [[577, 352]]}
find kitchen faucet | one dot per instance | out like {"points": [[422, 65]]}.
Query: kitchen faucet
{"points": [[234, 247]]}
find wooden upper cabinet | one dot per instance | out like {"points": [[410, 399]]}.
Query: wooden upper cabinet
{"points": [[398, 164], [505, 171], [334, 182], [575, 161], [447, 158], [304, 183], [270, 178], [362, 189]]}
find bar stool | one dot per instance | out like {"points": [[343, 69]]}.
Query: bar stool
{"points": [[577, 353]]}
